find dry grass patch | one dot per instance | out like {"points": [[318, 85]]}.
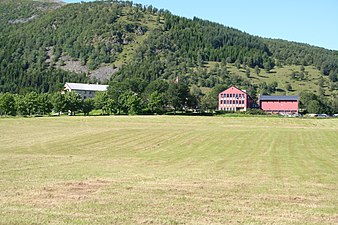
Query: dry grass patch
{"points": [[61, 193]]}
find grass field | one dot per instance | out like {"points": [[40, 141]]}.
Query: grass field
{"points": [[168, 170]]}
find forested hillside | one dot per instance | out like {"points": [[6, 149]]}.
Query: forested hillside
{"points": [[44, 44], [33, 51]]}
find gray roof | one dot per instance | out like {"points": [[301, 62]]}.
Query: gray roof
{"points": [[86, 87], [278, 98]]}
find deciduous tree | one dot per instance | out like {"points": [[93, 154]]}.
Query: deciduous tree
{"points": [[313, 106], [73, 102], [7, 104], [87, 106], [59, 102], [44, 104]]}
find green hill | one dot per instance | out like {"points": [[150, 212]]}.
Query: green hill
{"points": [[44, 44]]}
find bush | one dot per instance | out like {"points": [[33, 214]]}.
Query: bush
{"points": [[255, 112]]}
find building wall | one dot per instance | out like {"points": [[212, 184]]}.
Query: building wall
{"points": [[233, 99], [279, 106], [82, 93], [86, 94]]}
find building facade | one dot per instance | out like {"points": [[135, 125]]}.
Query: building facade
{"points": [[278, 104], [85, 90], [234, 99]]}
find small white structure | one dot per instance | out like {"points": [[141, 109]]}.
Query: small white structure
{"points": [[85, 90]]}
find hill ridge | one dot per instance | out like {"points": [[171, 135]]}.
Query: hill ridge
{"points": [[146, 43]]}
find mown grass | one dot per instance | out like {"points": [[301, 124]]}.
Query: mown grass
{"points": [[168, 170]]}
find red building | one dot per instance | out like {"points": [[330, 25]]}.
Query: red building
{"points": [[279, 104], [234, 99]]}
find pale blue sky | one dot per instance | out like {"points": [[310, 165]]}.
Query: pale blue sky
{"points": [[313, 22]]}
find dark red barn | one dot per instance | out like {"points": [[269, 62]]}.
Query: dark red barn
{"points": [[278, 104], [234, 99]]}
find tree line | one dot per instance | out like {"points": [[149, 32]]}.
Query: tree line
{"points": [[136, 96], [127, 97], [32, 103]]}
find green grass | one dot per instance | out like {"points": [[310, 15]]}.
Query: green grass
{"points": [[126, 55], [283, 76], [168, 170]]}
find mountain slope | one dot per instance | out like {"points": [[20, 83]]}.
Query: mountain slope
{"points": [[44, 44], [92, 34]]}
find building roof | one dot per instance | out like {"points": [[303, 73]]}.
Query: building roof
{"points": [[86, 87], [278, 98], [233, 87]]}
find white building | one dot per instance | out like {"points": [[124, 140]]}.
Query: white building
{"points": [[85, 90]]}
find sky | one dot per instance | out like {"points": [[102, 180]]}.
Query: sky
{"points": [[314, 22]]}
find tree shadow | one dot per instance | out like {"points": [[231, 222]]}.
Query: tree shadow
{"points": [[263, 76]]}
